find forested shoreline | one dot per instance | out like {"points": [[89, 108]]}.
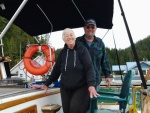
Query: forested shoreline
{"points": [[15, 43]]}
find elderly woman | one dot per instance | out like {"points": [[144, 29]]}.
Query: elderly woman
{"points": [[77, 75]]}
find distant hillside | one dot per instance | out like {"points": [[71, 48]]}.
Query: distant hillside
{"points": [[15, 42], [126, 55]]}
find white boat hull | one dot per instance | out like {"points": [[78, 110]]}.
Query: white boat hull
{"points": [[39, 102]]}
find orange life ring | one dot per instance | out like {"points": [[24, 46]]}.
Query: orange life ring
{"points": [[50, 59]]}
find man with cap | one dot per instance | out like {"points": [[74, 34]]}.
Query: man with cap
{"points": [[97, 52]]}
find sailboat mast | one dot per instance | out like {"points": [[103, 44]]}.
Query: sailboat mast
{"points": [[133, 47]]}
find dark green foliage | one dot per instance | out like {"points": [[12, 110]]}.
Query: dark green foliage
{"points": [[15, 43], [56, 53], [126, 55]]}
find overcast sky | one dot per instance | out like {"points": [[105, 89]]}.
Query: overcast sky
{"points": [[137, 13]]}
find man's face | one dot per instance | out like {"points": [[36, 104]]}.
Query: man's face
{"points": [[90, 30]]}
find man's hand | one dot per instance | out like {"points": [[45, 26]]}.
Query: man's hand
{"points": [[107, 81], [93, 92]]}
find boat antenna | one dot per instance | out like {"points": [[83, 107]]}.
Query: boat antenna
{"points": [[133, 47], [78, 10], [47, 19]]}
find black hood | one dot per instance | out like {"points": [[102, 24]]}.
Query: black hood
{"points": [[77, 45]]}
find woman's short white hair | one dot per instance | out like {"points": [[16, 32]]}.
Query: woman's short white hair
{"points": [[65, 31]]}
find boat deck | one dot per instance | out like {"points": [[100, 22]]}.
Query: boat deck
{"points": [[16, 99], [10, 92]]}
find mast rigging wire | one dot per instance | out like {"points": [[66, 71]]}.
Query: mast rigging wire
{"points": [[117, 57], [78, 10], [47, 20]]}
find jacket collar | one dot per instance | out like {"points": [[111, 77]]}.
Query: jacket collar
{"points": [[83, 39]]}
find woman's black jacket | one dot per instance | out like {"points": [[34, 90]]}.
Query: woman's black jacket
{"points": [[75, 68]]}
